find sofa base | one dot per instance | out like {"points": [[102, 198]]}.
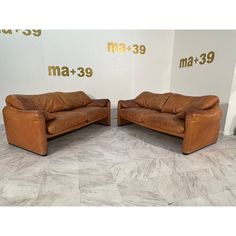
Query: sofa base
{"points": [[105, 121], [185, 150], [190, 151], [41, 152], [44, 151], [126, 122], [121, 121]]}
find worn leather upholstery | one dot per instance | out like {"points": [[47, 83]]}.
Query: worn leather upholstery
{"points": [[176, 103], [152, 100], [199, 103], [26, 129], [30, 120], [195, 119], [166, 121], [98, 103], [137, 114], [93, 113], [65, 120], [75, 99], [50, 102]]}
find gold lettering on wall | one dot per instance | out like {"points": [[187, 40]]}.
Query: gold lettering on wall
{"points": [[25, 32], [65, 71], [113, 47], [201, 60]]}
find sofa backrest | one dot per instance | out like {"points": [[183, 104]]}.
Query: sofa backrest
{"points": [[50, 102], [75, 99], [152, 101], [178, 103]]}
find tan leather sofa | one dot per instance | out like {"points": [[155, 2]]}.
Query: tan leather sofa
{"points": [[30, 120], [194, 119]]}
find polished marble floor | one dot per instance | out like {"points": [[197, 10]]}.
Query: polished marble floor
{"points": [[118, 166]]}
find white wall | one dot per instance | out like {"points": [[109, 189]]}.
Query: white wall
{"points": [[153, 71], [24, 64], [25, 59], [230, 124], [215, 78]]}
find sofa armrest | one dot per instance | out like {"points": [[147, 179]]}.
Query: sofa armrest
{"points": [[124, 104], [26, 129], [214, 113], [201, 128], [127, 104], [104, 103]]}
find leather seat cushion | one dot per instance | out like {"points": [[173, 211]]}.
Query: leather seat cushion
{"points": [[153, 101], [166, 121], [75, 99], [49, 102], [93, 113], [65, 120], [137, 114], [176, 103]]}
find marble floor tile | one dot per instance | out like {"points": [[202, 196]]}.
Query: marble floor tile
{"points": [[182, 163], [118, 166], [64, 165], [180, 186], [19, 190], [173, 188], [100, 195], [141, 193], [62, 198], [57, 182], [16, 202], [141, 169], [205, 182], [225, 198], [95, 175]]}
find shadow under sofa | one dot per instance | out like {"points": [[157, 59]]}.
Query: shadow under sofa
{"points": [[194, 119], [30, 120]]}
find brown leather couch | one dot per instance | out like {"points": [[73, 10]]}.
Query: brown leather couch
{"points": [[30, 120], [194, 119]]}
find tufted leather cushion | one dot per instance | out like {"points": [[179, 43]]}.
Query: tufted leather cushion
{"points": [[75, 99], [152, 101], [49, 102]]}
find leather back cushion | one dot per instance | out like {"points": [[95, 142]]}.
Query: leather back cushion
{"points": [[177, 103], [75, 99], [205, 102], [49, 102], [152, 101], [200, 103]]}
